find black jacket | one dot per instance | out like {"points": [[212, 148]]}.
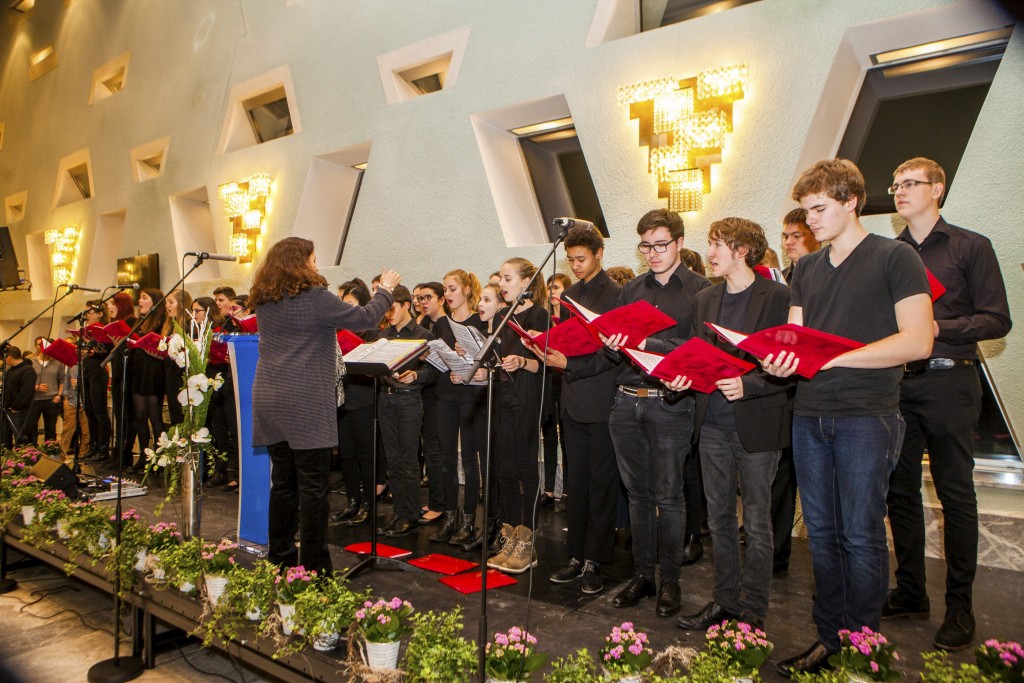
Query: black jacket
{"points": [[19, 386], [587, 393], [764, 415]]}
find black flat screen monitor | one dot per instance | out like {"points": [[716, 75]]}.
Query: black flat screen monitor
{"points": [[143, 269], [8, 260]]}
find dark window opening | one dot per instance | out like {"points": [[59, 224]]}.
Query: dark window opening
{"points": [[80, 176], [993, 438], [269, 115], [361, 169], [657, 13]]}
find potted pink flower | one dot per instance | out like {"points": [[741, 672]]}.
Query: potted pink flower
{"points": [[742, 647], [290, 584], [866, 656], [382, 625], [1003, 661], [626, 653]]}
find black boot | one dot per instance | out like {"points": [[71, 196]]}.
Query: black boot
{"points": [[359, 517], [489, 535], [449, 522], [347, 513], [467, 529]]}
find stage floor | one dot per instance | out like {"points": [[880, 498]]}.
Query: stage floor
{"points": [[561, 617]]}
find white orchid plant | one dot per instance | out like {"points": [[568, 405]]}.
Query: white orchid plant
{"points": [[189, 441]]}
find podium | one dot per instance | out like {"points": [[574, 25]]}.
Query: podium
{"points": [[253, 463]]}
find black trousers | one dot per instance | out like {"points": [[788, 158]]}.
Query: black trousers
{"points": [[94, 400], [457, 417], [783, 510], [222, 421], [431, 445], [401, 417], [516, 448], [298, 503], [122, 404], [355, 449], [173, 382], [594, 482], [13, 432], [941, 409], [49, 410], [693, 483]]}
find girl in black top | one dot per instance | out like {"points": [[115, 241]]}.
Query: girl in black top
{"points": [[432, 303], [148, 386], [519, 391], [120, 307], [94, 387]]}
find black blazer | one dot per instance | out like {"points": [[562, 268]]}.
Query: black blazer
{"points": [[588, 384], [764, 415]]}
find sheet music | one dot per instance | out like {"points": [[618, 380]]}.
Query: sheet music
{"points": [[583, 310], [434, 358], [390, 352], [730, 336], [450, 360], [648, 361], [468, 338]]}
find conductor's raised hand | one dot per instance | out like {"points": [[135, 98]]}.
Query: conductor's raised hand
{"points": [[782, 364], [680, 383], [390, 278]]}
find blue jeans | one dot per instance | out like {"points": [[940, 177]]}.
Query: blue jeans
{"points": [[842, 467], [652, 439]]}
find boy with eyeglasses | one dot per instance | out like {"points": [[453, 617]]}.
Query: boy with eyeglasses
{"points": [[940, 399], [847, 429], [650, 425]]}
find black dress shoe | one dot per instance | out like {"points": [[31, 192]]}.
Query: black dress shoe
{"points": [[546, 499], [568, 573], [638, 588], [359, 517], [811, 661], [712, 613], [956, 632], [391, 522], [693, 550], [896, 606], [402, 527], [668, 599], [449, 522]]}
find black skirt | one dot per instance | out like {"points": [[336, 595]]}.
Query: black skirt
{"points": [[147, 374]]}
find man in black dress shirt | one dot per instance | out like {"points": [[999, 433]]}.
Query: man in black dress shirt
{"points": [[651, 426], [588, 390], [940, 399]]}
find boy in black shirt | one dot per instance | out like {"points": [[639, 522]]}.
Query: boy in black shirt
{"points": [[847, 429]]}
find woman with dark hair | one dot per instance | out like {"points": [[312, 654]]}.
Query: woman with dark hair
{"points": [[295, 392], [148, 376], [94, 387], [120, 307], [205, 308], [355, 426]]}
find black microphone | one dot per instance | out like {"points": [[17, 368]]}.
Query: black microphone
{"points": [[84, 289], [573, 222], [134, 285], [203, 255]]}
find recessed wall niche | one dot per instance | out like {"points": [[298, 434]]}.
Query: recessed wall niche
{"points": [[14, 206], [148, 160], [422, 68], [193, 226], [261, 109], [42, 62], [329, 199], [106, 243], [110, 78], [74, 179], [3, 128]]}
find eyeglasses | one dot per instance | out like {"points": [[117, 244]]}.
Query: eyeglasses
{"points": [[421, 298], [907, 185], [658, 247]]}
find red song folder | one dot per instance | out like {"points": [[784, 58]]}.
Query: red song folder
{"points": [[149, 342], [814, 348], [347, 341], [248, 324], [938, 289], [219, 353], [109, 334], [471, 582], [61, 351], [443, 564], [382, 550], [701, 362], [637, 320], [571, 338]]}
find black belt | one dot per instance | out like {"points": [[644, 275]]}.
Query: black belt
{"points": [[919, 366], [393, 390], [643, 392]]}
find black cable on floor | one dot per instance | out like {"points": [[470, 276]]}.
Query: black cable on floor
{"points": [[209, 673]]}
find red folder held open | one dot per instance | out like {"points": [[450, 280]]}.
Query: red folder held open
{"points": [[219, 353], [637, 320], [702, 363], [109, 334], [347, 341], [248, 324], [814, 348], [149, 342], [570, 338], [61, 351]]}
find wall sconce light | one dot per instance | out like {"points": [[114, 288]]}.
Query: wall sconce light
{"points": [[245, 205], [63, 243], [683, 123]]}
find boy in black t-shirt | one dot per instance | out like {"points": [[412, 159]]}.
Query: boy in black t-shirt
{"points": [[847, 429]]}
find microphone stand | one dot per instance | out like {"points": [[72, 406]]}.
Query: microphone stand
{"points": [[479, 362], [118, 668]]}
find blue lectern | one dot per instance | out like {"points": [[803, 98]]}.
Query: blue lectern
{"points": [[254, 463]]}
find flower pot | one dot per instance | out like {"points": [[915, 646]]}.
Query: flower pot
{"points": [[156, 567], [382, 655], [501, 680], [215, 586], [186, 586], [62, 529], [742, 679], [254, 614], [28, 514], [325, 642], [856, 677], [287, 618], [621, 678], [140, 560]]}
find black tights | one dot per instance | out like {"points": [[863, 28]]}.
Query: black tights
{"points": [[148, 415]]}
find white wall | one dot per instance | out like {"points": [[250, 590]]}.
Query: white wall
{"points": [[425, 205]]}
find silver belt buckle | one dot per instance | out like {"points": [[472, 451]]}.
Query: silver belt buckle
{"points": [[941, 364]]}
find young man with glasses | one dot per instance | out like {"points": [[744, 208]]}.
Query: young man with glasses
{"points": [[651, 426], [940, 399], [847, 429]]}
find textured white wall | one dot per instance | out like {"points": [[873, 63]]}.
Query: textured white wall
{"points": [[425, 205]]}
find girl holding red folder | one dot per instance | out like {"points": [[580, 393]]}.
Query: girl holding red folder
{"points": [[148, 375], [519, 394]]}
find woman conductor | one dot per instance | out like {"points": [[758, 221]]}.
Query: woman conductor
{"points": [[295, 392]]}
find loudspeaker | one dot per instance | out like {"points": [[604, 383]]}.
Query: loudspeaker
{"points": [[56, 475]]}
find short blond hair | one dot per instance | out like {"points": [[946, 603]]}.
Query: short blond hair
{"points": [[931, 169]]}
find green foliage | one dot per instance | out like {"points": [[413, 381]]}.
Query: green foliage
{"points": [[438, 651], [183, 562], [939, 669], [512, 656], [837, 676], [578, 667], [248, 590], [326, 608]]}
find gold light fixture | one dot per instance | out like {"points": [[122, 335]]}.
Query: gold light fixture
{"points": [[245, 205], [683, 122], [63, 243]]}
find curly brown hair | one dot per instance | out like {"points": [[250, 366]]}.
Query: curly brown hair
{"points": [[285, 271]]}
